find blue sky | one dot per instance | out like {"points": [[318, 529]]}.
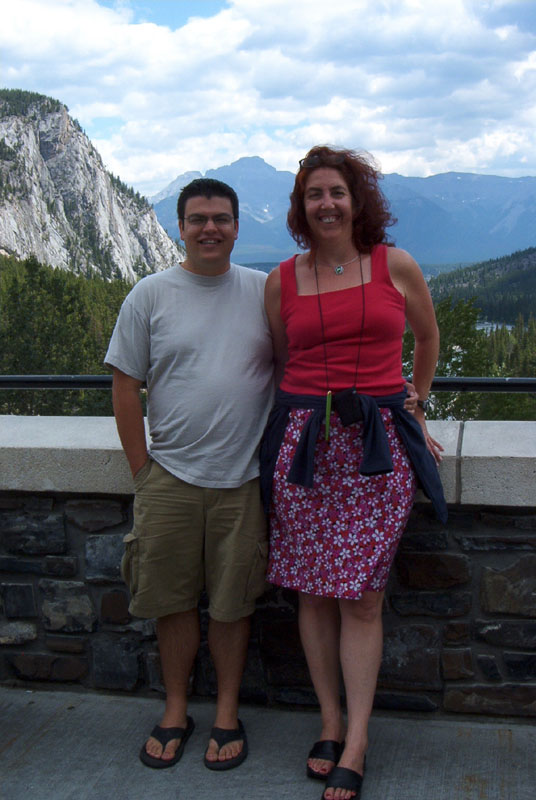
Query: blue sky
{"points": [[164, 87]]}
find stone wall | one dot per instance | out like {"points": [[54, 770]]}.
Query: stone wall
{"points": [[460, 610]]}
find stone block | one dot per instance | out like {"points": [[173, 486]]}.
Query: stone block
{"points": [[423, 520], [457, 664], [10, 502], [448, 433], [489, 668], [94, 515], [483, 543], [39, 505], [65, 644], [45, 667], [66, 606], [154, 672], [21, 534], [295, 696], [520, 666], [17, 632], [460, 519], [74, 455], [114, 607], [61, 566], [457, 633], [26, 566], [398, 701], [19, 600], [282, 654], [433, 571], [145, 628], [506, 633], [425, 542], [103, 557], [253, 688], [411, 658], [204, 674], [115, 662], [497, 519], [526, 523], [508, 700], [497, 463], [511, 590], [431, 604]]}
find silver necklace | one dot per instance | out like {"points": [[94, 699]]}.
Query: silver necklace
{"points": [[339, 268]]}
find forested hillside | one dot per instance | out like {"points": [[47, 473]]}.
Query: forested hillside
{"points": [[502, 288], [54, 322]]}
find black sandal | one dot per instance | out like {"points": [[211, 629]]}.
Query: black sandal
{"points": [[344, 778], [223, 736], [164, 736], [327, 750]]}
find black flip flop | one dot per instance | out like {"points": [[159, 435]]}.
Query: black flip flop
{"points": [[344, 778], [223, 736], [164, 736], [328, 750]]}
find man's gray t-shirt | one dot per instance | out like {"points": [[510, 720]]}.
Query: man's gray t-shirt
{"points": [[203, 346]]}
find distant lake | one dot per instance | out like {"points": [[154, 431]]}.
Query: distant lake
{"points": [[263, 266], [490, 326]]}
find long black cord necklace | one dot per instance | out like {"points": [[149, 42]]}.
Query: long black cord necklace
{"points": [[324, 345]]}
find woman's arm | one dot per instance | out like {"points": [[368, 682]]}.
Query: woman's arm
{"points": [[409, 280], [272, 304]]}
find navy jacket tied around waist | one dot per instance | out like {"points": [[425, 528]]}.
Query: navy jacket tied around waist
{"points": [[376, 454]]}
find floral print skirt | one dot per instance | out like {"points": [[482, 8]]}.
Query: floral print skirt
{"points": [[339, 538]]}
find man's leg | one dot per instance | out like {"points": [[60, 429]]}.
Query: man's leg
{"points": [[178, 642], [228, 644], [236, 547]]}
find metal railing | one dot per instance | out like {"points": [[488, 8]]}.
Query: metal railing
{"points": [[439, 384]]}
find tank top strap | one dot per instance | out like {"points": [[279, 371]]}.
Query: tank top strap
{"points": [[287, 273], [378, 262]]}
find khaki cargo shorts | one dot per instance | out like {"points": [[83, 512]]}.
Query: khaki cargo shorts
{"points": [[188, 538]]}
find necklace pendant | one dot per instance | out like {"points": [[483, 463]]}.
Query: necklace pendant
{"points": [[338, 270]]}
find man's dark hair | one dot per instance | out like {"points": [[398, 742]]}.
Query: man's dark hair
{"points": [[206, 187]]}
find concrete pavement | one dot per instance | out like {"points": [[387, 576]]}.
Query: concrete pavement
{"points": [[57, 745]]}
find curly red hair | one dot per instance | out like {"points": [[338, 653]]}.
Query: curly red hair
{"points": [[372, 215]]}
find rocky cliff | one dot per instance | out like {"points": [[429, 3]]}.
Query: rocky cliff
{"points": [[58, 202]]}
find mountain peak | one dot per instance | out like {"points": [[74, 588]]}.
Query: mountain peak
{"points": [[58, 202]]}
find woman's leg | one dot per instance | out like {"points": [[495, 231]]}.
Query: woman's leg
{"points": [[361, 652], [319, 621]]}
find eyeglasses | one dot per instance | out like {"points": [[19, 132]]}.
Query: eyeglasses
{"points": [[219, 220], [319, 160]]}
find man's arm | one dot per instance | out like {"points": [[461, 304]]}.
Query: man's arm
{"points": [[129, 419]]}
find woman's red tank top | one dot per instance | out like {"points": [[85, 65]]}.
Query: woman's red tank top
{"points": [[379, 330]]}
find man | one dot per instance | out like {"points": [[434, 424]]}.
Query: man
{"points": [[197, 335]]}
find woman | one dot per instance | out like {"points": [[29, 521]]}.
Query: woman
{"points": [[338, 442]]}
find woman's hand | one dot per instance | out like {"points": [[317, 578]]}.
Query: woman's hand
{"points": [[432, 444], [410, 403]]}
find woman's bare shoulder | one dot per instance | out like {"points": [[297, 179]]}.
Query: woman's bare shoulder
{"points": [[399, 259]]}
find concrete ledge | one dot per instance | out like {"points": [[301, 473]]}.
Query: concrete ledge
{"points": [[62, 454], [498, 463], [484, 463]]}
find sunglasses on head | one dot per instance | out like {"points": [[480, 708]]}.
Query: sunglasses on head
{"points": [[320, 160]]}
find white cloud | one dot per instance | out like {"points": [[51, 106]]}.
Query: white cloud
{"points": [[425, 88]]}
